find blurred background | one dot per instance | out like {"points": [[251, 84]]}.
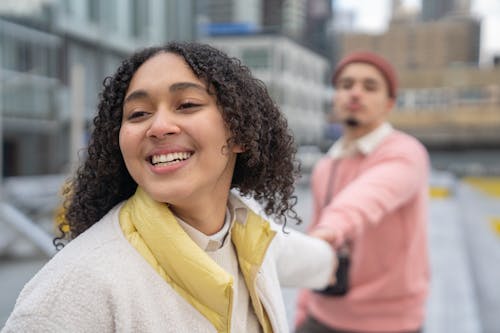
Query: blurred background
{"points": [[54, 55]]}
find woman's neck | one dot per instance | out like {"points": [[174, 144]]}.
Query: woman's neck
{"points": [[208, 218]]}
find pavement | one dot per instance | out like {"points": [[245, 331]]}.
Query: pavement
{"points": [[464, 246], [14, 273]]}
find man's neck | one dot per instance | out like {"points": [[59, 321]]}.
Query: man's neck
{"points": [[352, 134]]}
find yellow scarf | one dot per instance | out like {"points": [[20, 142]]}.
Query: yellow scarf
{"points": [[153, 230]]}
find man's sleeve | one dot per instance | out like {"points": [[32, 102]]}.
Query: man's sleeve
{"points": [[383, 188]]}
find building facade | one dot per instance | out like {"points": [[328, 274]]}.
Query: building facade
{"points": [[437, 9], [295, 76], [317, 33], [30, 98], [39, 51], [233, 11], [423, 45], [454, 107], [99, 34]]}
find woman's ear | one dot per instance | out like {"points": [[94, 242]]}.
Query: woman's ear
{"points": [[237, 149]]}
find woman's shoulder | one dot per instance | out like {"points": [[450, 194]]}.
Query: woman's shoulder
{"points": [[101, 242], [81, 277], [79, 273]]}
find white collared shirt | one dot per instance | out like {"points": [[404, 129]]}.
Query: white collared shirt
{"points": [[208, 242], [235, 210], [364, 145]]}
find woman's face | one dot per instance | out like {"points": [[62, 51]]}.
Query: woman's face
{"points": [[173, 138]]}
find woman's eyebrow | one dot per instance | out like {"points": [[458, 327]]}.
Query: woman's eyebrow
{"points": [[186, 85], [138, 94]]}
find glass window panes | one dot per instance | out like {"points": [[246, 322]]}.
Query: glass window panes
{"points": [[256, 58]]}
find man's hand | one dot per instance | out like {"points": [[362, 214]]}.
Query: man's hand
{"points": [[323, 233]]}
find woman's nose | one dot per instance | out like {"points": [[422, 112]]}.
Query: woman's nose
{"points": [[163, 123]]}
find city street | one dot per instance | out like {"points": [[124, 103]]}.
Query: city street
{"points": [[334, 69], [464, 249]]}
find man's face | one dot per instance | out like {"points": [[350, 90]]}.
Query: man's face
{"points": [[361, 99]]}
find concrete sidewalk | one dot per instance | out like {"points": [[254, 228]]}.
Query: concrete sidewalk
{"points": [[452, 304], [480, 217], [14, 273]]}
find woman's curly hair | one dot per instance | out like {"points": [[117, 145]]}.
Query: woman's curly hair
{"points": [[266, 170]]}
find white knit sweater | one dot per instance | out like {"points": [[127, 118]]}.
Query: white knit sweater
{"points": [[100, 283]]}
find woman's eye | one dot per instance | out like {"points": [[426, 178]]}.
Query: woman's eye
{"points": [[189, 105], [136, 115]]}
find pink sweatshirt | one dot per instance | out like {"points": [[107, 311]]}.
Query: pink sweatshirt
{"points": [[380, 204]]}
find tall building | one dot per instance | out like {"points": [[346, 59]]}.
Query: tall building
{"points": [[39, 49], [294, 18], [272, 15], [287, 17], [437, 9], [294, 75], [30, 98], [305, 21], [318, 20], [234, 11], [420, 45]]}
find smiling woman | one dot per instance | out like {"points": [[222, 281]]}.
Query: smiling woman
{"points": [[160, 239]]}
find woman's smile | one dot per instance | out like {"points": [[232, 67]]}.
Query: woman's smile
{"points": [[165, 163], [169, 159]]}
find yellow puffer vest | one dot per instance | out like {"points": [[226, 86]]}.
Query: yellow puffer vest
{"points": [[153, 230]]}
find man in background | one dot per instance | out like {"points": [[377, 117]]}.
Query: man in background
{"points": [[370, 196]]}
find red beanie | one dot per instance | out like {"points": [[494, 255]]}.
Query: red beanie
{"points": [[375, 60]]}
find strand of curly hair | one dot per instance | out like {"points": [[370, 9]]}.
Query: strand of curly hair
{"points": [[266, 170]]}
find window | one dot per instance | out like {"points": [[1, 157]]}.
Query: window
{"points": [[139, 18], [472, 95], [256, 58], [109, 14], [94, 11], [24, 57]]}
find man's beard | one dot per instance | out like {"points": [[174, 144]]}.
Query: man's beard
{"points": [[351, 122]]}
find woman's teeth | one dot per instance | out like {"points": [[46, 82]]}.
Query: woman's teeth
{"points": [[166, 159]]}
